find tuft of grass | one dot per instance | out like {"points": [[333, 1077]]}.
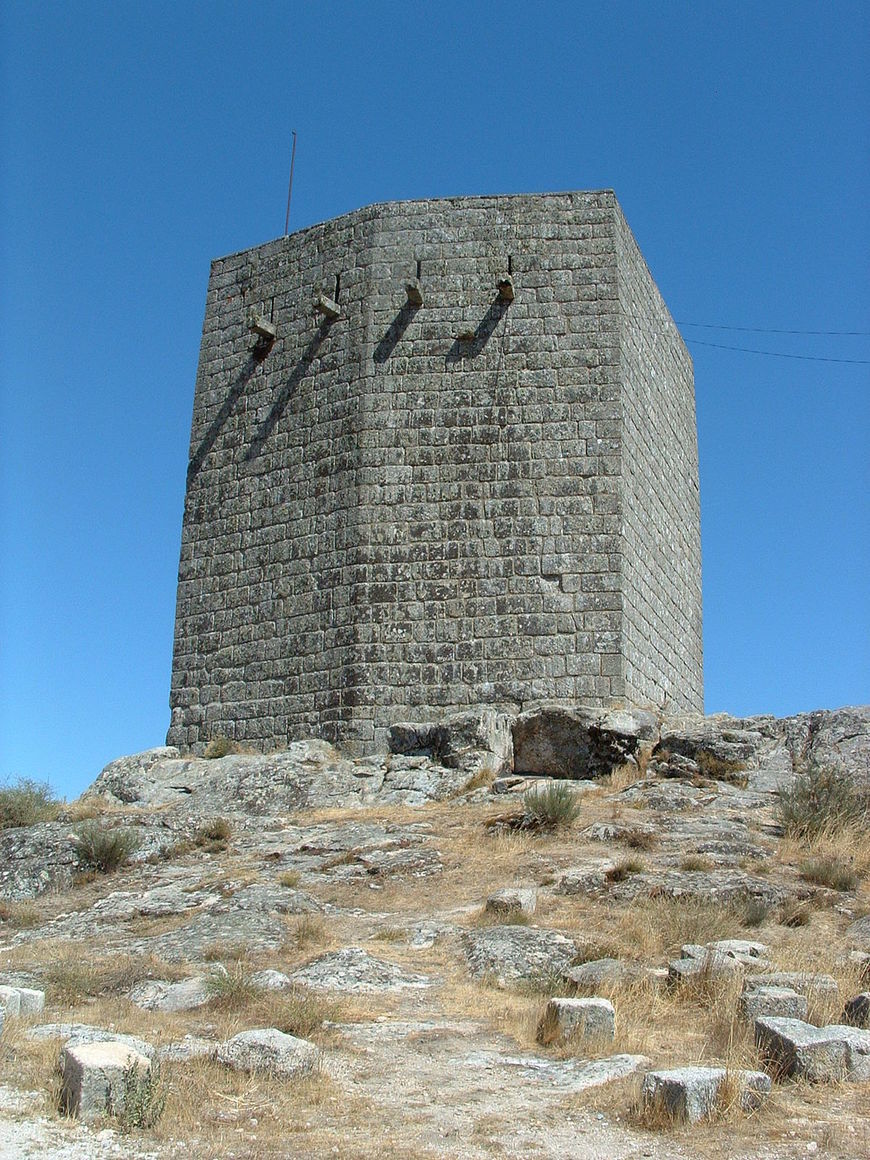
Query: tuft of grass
{"points": [[822, 800], [231, 988], [310, 930], [639, 839], [26, 802], [695, 862], [220, 746], [624, 869], [213, 836], [795, 914], [289, 878], [830, 871], [104, 850], [721, 768], [755, 912], [19, 915], [550, 808]]}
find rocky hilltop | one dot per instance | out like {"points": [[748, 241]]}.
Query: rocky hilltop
{"points": [[569, 933]]}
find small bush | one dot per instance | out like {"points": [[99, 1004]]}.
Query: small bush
{"points": [[144, 1098], [822, 800], [105, 850], [220, 746], [829, 871], [553, 806], [289, 878], [26, 802]]}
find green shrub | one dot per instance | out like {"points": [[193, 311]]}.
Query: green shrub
{"points": [[26, 802], [144, 1097], [551, 807], [822, 799], [103, 849]]}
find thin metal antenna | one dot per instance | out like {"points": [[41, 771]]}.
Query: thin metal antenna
{"points": [[290, 186]]}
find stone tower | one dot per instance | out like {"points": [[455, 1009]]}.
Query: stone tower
{"points": [[443, 454]]}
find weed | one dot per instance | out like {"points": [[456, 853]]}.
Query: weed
{"points": [[104, 850], [821, 799], [26, 802], [144, 1097], [220, 746], [830, 871], [553, 806], [482, 779], [289, 878]]}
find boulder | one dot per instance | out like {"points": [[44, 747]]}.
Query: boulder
{"points": [[353, 969], [711, 965], [820, 1054], [512, 900], [719, 746], [75, 1034], [574, 742], [94, 1077], [271, 1051], [782, 1002], [21, 1000], [597, 973], [858, 933], [134, 779], [694, 1093], [517, 953], [817, 986], [578, 1020], [856, 1013], [270, 980], [466, 741], [158, 995]]}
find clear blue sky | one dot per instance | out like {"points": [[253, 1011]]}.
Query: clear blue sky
{"points": [[139, 141]]}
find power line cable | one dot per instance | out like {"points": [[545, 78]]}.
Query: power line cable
{"points": [[781, 354], [769, 330]]}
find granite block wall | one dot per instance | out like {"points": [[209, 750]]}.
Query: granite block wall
{"points": [[416, 508]]}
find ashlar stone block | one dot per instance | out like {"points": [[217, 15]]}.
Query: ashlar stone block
{"points": [[577, 1019], [93, 1077]]}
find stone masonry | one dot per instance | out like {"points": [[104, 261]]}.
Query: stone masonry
{"points": [[443, 454]]}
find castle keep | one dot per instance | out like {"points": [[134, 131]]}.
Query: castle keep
{"points": [[443, 454]]}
